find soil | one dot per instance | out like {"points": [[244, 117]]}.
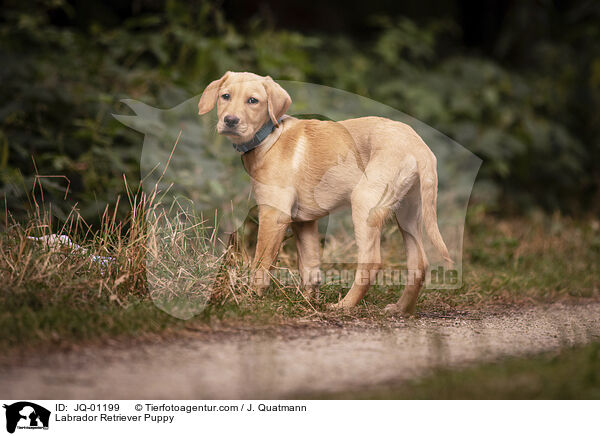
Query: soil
{"points": [[300, 360]]}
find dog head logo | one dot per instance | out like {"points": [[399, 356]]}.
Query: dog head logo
{"points": [[197, 171], [26, 415]]}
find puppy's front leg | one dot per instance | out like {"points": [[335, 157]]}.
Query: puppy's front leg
{"points": [[307, 241], [272, 224]]}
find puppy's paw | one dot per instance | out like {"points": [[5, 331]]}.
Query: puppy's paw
{"points": [[340, 306], [396, 310]]}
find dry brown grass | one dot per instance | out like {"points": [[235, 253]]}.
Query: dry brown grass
{"points": [[166, 257]]}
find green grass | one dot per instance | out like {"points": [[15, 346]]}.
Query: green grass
{"points": [[57, 297], [525, 260], [59, 320], [569, 375]]}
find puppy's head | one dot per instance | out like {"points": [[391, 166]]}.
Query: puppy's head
{"points": [[245, 102]]}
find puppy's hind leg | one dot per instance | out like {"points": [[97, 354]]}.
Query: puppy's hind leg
{"points": [[410, 222], [367, 231], [377, 193]]}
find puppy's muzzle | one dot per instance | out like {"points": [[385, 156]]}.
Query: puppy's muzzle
{"points": [[231, 121]]}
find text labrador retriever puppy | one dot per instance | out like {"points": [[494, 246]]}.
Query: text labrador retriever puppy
{"points": [[302, 170]]}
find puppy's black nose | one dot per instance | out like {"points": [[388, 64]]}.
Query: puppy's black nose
{"points": [[231, 120]]}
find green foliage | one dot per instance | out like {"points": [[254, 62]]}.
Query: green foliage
{"points": [[535, 123]]}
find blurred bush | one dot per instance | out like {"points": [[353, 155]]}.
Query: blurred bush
{"points": [[534, 120]]}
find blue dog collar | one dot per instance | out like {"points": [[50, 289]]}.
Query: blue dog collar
{"points": [[259, 137]]}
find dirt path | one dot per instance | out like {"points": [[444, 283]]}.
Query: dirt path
{"points": [[292, 361]]}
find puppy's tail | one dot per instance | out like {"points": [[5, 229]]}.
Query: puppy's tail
{"points": [[429, 184]]}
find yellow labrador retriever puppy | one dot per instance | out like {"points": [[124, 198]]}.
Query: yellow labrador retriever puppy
{"points": [[302, 170]]}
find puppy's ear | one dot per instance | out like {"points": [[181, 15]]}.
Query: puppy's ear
{"points": [[210, 95], [278, 99]]}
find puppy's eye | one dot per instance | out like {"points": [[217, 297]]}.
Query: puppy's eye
{"points": [[252, 100], [225, 96]]}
